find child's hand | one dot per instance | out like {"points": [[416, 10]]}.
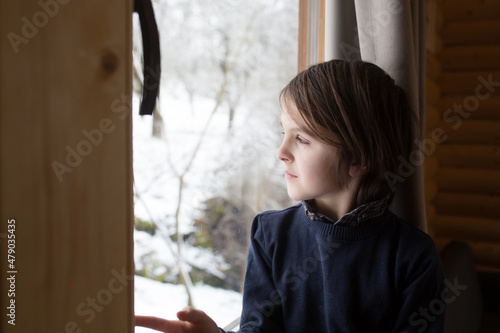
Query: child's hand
{"points": [[190, 321]]}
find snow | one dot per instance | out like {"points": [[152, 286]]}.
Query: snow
{"points": [[156, 180], [156, 185], [244, 154], [164, 300], [157, 162]]}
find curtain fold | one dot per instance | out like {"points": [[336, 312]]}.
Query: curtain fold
{"points": [[390, 34]]}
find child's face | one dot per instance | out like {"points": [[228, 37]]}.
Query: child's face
{"points": [[309, 164]]}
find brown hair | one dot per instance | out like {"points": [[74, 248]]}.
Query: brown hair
{"points": [[356, 107]]}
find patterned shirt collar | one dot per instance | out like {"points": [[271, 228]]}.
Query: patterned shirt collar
{"points": [[355, 217]]}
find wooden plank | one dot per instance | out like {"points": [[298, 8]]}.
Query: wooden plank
{"points": [[303, 35], [462, 131], [73, 231], [469, 156], [432, 118], [469, 205], [431, 26], [471, 32], [440, 18], [432, 91], [430, 190], [470, 228], [431, 166], [434, 26], [488, 109], [321, 31], [488, 269], [471, 10], [486, 254], [433, 66], [467, 83], [430, 214], [438, 43], [470, 57], [469, 180]]}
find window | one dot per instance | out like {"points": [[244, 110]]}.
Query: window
{"points": [[205, 164]]}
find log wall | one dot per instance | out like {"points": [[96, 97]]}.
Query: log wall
{"points": [[463, 99]]}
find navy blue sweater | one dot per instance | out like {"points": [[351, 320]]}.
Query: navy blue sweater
{"points": [[307, 275]]}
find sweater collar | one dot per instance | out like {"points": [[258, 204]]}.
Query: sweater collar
{"points": [[356, 217]]}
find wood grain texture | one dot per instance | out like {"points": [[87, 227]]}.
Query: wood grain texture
{"points": [[488, 109], [468, 177], [303, 35], [469, 156], [481, 132], [432, 91], [321, 31], [472, 228], [471, 83], [471, 9], [486, 254], [476, 57], [469, 206], [469, 180], [432, 112], [433, 66], [62, 88], [471, 32]]}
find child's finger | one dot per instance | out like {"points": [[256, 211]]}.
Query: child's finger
{"points": [[191, 315], [154, 323]]}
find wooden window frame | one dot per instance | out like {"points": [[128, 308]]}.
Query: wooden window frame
{"points": [[312, 31]]}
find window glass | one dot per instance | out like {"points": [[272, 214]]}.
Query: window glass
{"points": [[206, 163]]}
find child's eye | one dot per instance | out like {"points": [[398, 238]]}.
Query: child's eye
{"points": [[301, 141]]}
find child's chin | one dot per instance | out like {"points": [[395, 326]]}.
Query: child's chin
{"points": [[295, 196]]}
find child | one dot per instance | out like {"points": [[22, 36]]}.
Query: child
{"points": [[339, 261]]}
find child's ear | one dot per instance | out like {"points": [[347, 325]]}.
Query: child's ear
{"points": [[357, 170]]}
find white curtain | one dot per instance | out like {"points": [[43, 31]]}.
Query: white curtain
{"points": [[391, 34]]}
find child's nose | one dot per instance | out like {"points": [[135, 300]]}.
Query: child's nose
{"points": [[283, 154]]}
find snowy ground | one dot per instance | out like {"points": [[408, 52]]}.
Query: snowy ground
{"points": [[243, 153], [153, 298], [156, 184]]}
